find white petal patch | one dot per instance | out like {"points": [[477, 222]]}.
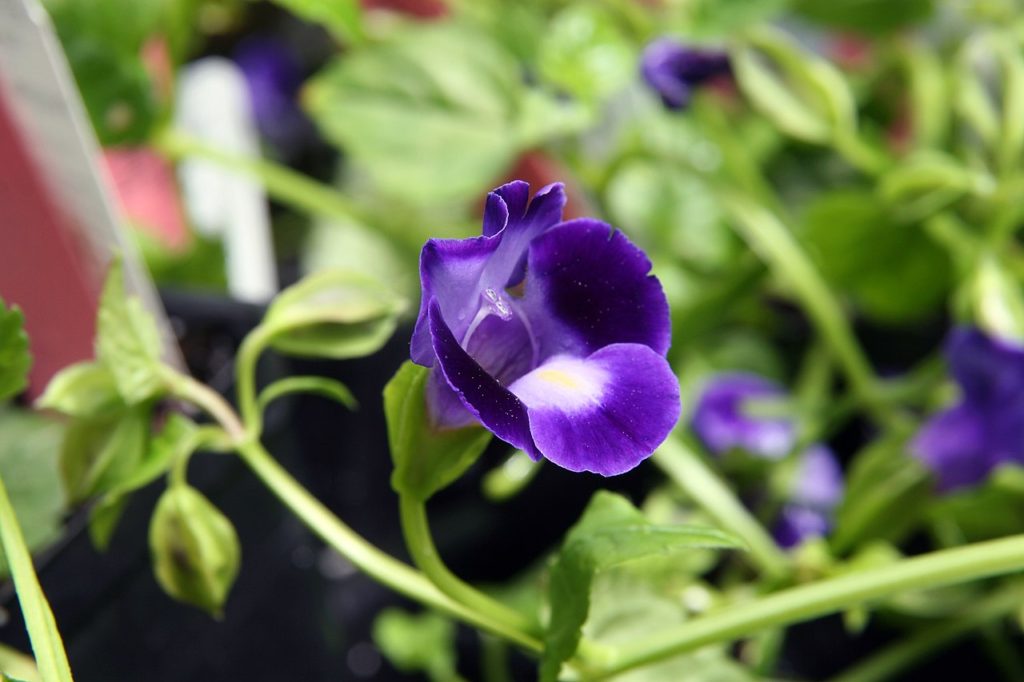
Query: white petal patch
{"points": [[563, 382]]}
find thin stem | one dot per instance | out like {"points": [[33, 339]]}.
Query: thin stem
{"points": [[425, 555], [245, 377], [294, 189], [687, 469], [890, 662], [769, 238], [39, 621], [366, 557], [201, 395], [936, 569]]}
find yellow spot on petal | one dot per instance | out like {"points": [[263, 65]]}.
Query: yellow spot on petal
{"points": [[559, 378]]}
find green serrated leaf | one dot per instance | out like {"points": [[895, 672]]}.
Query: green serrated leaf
{"points": [[86, 389], [176, 439], [99, 454], [195, 549], [29, 447], [417, 642], [15, 359], [127, 340], [427, 113], [610, 532], [426, 459], [333, 314]]}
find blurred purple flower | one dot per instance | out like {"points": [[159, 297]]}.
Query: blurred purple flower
{"points": [[273, 75], [675, 70], [723, 422], [817, 490], [551, 334], [964, 443], [725, 419]]}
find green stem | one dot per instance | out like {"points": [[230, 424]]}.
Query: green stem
{"points": [[283, 184], [769, 238], [39, 621], [936, 569], [245, 377], [687, 469], [366, 557], [890, 662], [424, 553]]}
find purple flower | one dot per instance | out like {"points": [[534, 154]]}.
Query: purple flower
{"points": [[274, 77], [726, 419], [723, 419], [964, 443], [675, 70], [551, 334], [816, 492]]}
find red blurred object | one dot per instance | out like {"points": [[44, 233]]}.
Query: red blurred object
{"points": [[147, 194], [41, 269], [538, 169], [851, 52], [422, 9]]}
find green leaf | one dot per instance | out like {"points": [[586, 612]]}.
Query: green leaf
{"points": [[584, 52], [29, 448], [886, 494], [902, 277], [971, 510], [39, 621], [333, 314], [328, 388], [127, 340], [417, 643], [195, 549], [15, 359], [434, 114], [803, 96], [343, 18], [426, 459], [99, 454], [872, 17], [85, 389], [176, 439], [998, 300], [103, 520], [17, 666], [610, 532]]}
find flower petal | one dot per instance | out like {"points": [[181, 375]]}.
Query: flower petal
{"points": [[591, 288], [467, 276], [722, 424], [989, 370], [496, 408], [444, 405], [605, 413], [450, 273], [953, 445], [796, 524], [819, 483], [525, 223]]}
